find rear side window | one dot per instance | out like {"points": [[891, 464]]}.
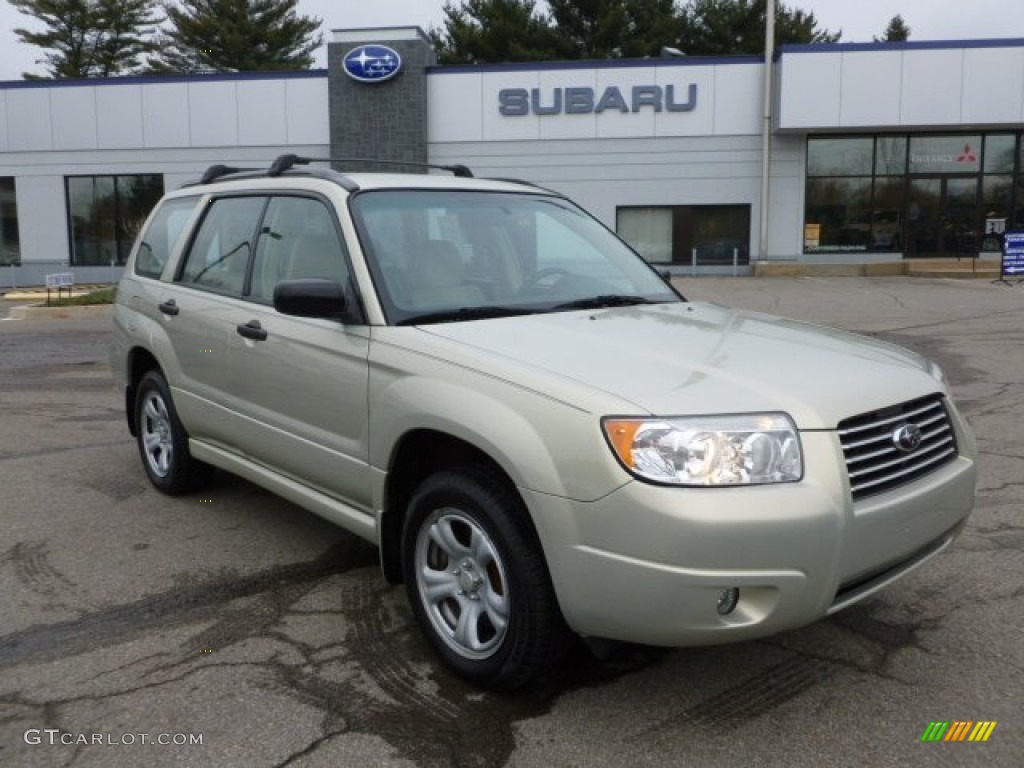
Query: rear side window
{"points": [[220, 253], [158, 241]]}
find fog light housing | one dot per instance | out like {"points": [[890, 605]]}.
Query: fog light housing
{"points": [[727, 600]]}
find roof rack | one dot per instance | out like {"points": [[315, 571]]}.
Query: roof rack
{"points": [[281, 164], [287, 162], [457, 169], [215, 172]]}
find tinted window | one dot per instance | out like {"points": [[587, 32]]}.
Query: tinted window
{"points": [[716, 234], [10, 250], [164, 230], [107, 213], [999, 151], [839, 157], [219, 257], [891, 155]]}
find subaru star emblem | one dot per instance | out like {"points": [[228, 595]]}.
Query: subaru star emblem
{"points": [[372, 63], [907, 438]]}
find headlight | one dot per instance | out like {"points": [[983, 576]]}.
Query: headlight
{"points": [[745, 449]]}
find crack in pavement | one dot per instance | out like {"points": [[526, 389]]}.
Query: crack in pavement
{"points": [[123, 622]]}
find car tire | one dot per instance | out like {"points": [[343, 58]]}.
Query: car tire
{"points": [[163, 441], [477, 581]]}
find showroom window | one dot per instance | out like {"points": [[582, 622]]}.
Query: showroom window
{"points": [[10, 249], [10, 245], [671, 234], [107, 213], [922, 195]]}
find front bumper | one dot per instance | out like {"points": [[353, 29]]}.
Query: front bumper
{"points": [[648, 563]]}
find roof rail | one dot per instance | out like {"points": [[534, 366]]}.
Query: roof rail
{"points": [[525, 184], [457, 169]]}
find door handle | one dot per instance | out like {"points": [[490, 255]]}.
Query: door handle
{"points": [[252, 330], [168, 307]]}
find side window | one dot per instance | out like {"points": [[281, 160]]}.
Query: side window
{"points": [[298, 239], [220, 253], [158, 241]]}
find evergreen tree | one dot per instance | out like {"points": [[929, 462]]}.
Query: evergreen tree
{"points": [[494, 31], [89, 38], [602, 29], [897, 31], [715, 27], [236, 36], [478, 31]]}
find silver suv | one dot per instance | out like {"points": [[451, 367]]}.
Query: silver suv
{"points": [[539, 433]]}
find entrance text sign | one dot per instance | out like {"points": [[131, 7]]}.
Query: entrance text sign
{"points": [[60, 281], [1013, 256]]}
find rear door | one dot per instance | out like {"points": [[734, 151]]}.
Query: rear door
{"points": [[197, 309]]}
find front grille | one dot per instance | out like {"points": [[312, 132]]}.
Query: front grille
{"points": [[873, 461]]}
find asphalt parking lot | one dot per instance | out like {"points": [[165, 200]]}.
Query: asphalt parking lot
{"points": [[236, 619]]}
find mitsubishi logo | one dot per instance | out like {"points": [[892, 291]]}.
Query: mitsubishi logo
{"points": [[907, 438]]}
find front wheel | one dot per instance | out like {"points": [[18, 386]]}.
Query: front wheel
{"points": [[163, 442], [477, 580]]}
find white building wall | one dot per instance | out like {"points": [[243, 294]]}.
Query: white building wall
{"points": [[245, 112], [175, 128], [464, 107], [902, 86]]}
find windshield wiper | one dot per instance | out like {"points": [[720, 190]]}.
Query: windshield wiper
{"points": [[464, 313], [605, 300]]}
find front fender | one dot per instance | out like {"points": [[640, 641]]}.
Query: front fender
{"points": [[542, 444]]}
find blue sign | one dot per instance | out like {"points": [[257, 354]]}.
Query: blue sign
{"points": [[1013, 254], [372, 63]]}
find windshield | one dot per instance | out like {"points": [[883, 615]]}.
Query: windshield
{"points": [[445, 256]]}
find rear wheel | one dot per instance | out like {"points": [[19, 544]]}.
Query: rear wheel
{"points": [[162, 440], [477, 580]]}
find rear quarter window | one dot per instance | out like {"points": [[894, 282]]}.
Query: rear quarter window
{"points": [[158, 241]]}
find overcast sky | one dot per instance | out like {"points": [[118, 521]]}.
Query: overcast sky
{"points": [[859, 20]]}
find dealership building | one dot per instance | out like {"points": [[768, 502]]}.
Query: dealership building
{"points": [[876, 152]]}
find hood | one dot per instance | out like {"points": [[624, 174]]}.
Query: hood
{"points": [[691, 358]]}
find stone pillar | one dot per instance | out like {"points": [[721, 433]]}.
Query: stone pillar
{"points": [[384, 120]]}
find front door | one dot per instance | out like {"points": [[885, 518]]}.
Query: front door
{"points": [[942, 217]]}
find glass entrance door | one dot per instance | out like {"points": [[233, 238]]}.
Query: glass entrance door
{"points": [[942, 216]]}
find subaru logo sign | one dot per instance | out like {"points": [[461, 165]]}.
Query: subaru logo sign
{"points": [[372, 63]]}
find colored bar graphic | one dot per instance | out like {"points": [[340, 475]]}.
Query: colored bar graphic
{"points": [[958, 730], [983, 730]]}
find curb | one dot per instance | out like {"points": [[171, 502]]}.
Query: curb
{"points": [[62, 313], [933, 268], [29, 294]]}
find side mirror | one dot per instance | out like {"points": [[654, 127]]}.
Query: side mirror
{"points": [[310, 297]]}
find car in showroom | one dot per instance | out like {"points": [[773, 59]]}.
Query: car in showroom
{"points": [[542, 436]]}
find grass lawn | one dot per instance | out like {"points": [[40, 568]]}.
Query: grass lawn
{"points": [[101, 296]]}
